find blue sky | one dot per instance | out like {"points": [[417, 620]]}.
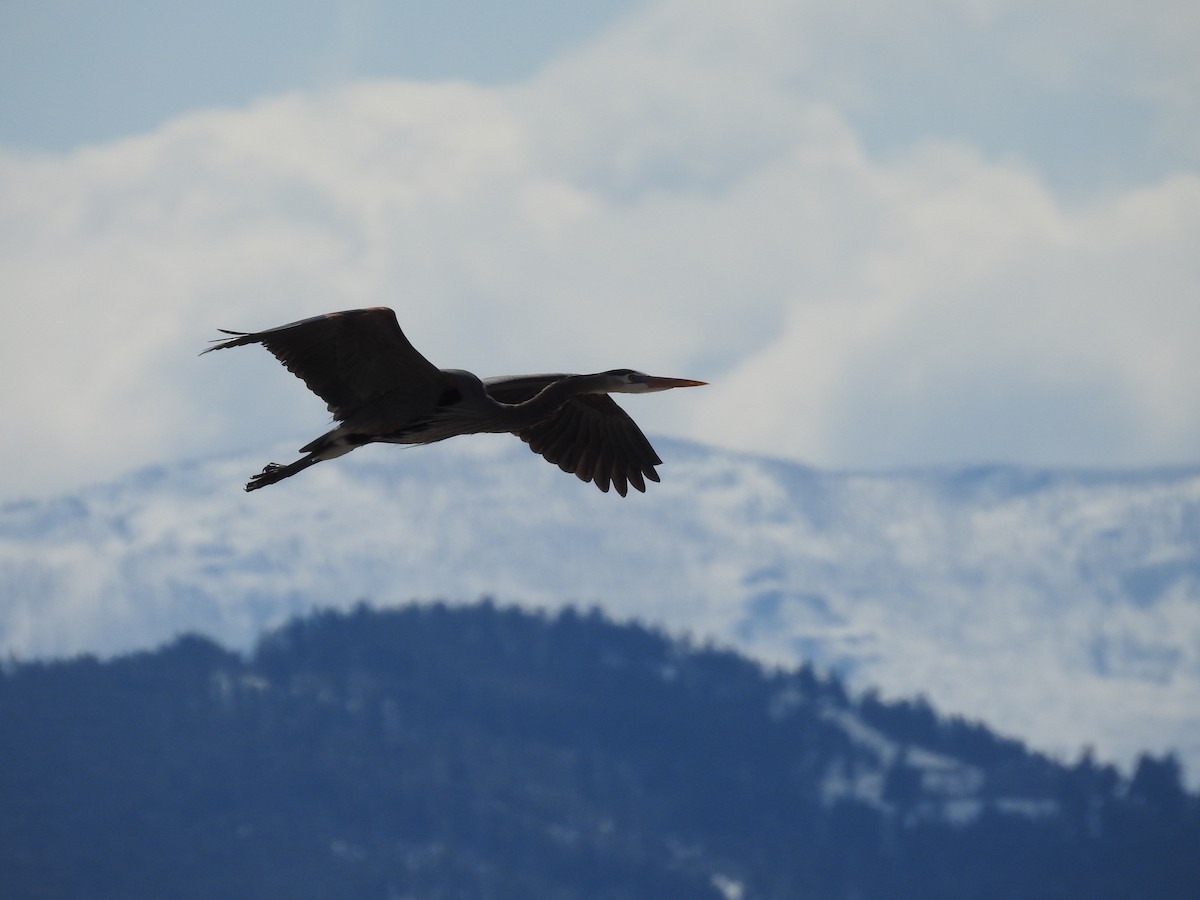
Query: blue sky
{"points": [[889, 236], [75, 72]]}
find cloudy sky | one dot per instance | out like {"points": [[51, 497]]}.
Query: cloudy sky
{"points": [[888, 234]]}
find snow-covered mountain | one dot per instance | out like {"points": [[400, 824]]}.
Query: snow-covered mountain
{"points": [[1062, 607]]}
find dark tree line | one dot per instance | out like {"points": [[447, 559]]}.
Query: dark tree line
{"points": [[480, 751]]}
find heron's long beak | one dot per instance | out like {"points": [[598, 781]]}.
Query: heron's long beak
{"points": [[658, 383]]}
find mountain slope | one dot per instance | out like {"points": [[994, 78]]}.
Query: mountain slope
{"points": [[482, 752], [1060, 606]]}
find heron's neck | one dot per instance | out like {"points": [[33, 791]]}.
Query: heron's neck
{"points": [[547, 401]]}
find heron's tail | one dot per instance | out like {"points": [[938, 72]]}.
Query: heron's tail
{"points": [[274, 472]]}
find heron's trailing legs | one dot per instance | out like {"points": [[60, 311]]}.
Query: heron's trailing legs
{"points": [[330, 445], [274, 472]]}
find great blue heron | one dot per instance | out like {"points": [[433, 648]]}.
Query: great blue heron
{"points": [[379, 388]]}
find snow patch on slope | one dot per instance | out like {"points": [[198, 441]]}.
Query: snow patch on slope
{"points": [[1062, 607]]}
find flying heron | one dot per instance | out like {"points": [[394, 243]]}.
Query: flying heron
{"points": [[379, 388]]}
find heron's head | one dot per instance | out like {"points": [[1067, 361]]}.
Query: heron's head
{"points": [[629, 381]]}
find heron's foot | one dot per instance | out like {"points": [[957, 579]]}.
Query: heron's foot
{"points": [[267, 476]]}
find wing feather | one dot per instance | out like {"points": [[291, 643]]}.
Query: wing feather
{"points": [[589, 435], [349, 359]]}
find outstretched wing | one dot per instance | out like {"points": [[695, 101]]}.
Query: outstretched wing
{"points": [[349, 359], [589, 435]]}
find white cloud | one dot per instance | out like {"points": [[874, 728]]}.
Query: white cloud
{"points": [[701, 191], [988, 322]]}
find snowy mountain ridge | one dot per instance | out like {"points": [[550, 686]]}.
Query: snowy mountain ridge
{"points": [[1062, 607]]}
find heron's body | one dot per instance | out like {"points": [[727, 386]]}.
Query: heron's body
{"points": [[380, 389]]}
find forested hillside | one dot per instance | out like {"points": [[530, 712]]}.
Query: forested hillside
{"points": [[1060, 606], [488, 752]]}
